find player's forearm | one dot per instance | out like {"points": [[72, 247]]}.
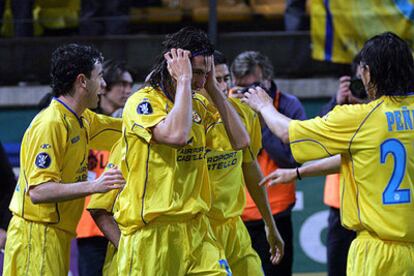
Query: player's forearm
{"points": [[57, 192], [276, 122], [176, 127], [252, 176], [239, 138], [324, 166], [107, 224]]}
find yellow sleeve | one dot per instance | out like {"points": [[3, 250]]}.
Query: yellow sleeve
{"points": [[327, 136], [45, 147], [106, 200], [144, 110], [104, 130]]}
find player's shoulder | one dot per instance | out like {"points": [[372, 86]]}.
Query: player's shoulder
{"points": [[146, 95], [49, 116], [358, 110]]}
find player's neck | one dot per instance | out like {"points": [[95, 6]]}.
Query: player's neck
{"points": [[73, 103]]}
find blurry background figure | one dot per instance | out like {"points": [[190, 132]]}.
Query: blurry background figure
{"points": [[295, 16], [22, 16], [104, 17], [91, 242], [247, 69], [7, 185]]}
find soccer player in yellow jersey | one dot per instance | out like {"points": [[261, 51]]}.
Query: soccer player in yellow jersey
{"points": [[161, 210], [48, 199], [376, 145], [228, 171]]}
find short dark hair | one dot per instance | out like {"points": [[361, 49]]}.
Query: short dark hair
{"points": [[188, 38], [112, 72], [390, 63], [245, 63], [219, 58], [68, 61]]}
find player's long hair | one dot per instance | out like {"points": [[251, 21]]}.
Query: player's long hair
{"points": [[390, 63], [188, 38]]}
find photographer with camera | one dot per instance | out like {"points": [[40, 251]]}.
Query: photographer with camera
{"points": [[253, 68], [350, 91]]}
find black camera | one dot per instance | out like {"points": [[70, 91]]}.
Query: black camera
{"points": [[358, 89], [253, 85]]}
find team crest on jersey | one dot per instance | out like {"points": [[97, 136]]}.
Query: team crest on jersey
{"points": [[110, 165], [43, 160], [144, 108], [45, 146], [196, 117]]}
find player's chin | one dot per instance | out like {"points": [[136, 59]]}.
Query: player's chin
{"points": [[94, 103]]}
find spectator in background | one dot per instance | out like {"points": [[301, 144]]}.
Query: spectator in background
{"points": [[7, 184], [254, 68], [91, 242], [104, 17], [22, 16]]}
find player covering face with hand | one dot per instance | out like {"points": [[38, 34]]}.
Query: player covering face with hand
{"points": [[161, 210]]}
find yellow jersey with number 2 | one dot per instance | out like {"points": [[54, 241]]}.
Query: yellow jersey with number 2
{"points": [[376, 143]]}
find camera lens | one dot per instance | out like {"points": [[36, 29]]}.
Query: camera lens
{"points": [[357, 88]]}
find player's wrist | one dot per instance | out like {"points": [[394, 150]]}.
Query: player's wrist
{"points": [[184, 78]]}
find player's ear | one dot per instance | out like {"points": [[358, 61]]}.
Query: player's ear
{"points": [[81, 79]]}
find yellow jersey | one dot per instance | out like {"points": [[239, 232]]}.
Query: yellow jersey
{"points": [[107, 200], [376, 143], [225, 167], [161, 180], [55, 148]]}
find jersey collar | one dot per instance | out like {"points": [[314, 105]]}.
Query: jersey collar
{"points": [[70, 110]]}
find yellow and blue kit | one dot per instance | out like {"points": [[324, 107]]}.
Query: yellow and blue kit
{"points": [[229, 197], [106, 201], [54, 149], [376, 144], [161, 209]]}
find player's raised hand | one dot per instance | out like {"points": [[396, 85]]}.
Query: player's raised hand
{"points": [[257, 98], [109, 180], [276, 243], [279, 176], [211, 82], [179, 64], [344, 92]]}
